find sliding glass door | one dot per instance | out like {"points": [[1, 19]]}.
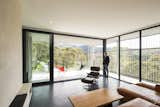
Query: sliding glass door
{"points": [[139, 54], [37, 56], [49, 57], [129, 57], [73, 56]]}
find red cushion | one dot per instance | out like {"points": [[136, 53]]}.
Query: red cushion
{"points": [[61, 69]]}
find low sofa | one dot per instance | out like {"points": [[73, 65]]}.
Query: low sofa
{"points": [[141, 90]]}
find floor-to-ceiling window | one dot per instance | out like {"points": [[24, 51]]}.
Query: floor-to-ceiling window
{"points": [[70, 57], [151, 55], [112, 51], [129, 57], [73, 56], [139, 56], [37, 56]]}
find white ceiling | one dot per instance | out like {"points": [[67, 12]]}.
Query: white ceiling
{"points": [[96, 18]]}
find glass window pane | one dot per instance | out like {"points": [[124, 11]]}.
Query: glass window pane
{"points": [[129, 57], [73, 56], [37, 57], [151, 55], [112, 51]]}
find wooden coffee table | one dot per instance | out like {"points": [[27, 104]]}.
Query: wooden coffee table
{"points": [[96, 98]]}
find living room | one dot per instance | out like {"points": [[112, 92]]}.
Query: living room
{"points": [[53, 53]]}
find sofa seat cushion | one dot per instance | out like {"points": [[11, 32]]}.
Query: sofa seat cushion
{"points": [[134, 91], [138, 102]]}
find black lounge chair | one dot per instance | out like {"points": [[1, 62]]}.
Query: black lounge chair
{"points": [[92, 76]]}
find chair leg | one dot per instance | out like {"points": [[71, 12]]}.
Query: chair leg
{"points": [[109, 105]]}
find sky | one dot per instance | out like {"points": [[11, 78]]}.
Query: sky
{"points": [[147, 42]]}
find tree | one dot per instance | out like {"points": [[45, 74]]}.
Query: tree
{"points": [[69, 57], [40, 55]]}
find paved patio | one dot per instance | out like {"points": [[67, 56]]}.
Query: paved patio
{"points": [[59, 75]]}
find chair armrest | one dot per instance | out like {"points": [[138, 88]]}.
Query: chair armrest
{"points": [[152, 87], [157, 88]]}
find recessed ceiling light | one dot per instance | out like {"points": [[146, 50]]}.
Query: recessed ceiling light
{"points": [[50, 22]]}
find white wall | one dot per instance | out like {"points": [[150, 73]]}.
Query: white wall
{"points": [[10, 50]]}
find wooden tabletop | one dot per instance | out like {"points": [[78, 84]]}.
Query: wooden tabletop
{"points": [[95, 98]]}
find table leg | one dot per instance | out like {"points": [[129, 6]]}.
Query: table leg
{"points": [[109, 105]]}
